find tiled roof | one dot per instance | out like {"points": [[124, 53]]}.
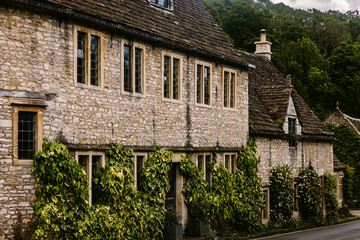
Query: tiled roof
{"points": [[269, 93], [355, 122], [189, 26], [338, 166]]}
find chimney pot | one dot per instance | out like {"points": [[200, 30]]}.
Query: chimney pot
{"points": [[263, 47]]}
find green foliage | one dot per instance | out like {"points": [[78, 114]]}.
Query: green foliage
{"points": [[61, 207], [330, 195], [281, 194], [310, 199], [195, 189]]}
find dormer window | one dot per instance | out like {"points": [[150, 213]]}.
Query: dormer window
{"points": [[162, 4], [292, 122]]}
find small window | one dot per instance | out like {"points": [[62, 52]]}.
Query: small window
{"points": [[139, 162], [229, 87], [230, 162], [171, 77], [204, 164], [162, 3], [291, 122], [203, 83], [133, 68], [91, 162], [296, 197], [266, 202], [27, 137], [88, 46]]}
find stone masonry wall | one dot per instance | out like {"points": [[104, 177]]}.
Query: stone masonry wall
{"points": [[37, 55], [273, 152]]}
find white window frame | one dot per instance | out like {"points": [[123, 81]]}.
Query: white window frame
{"points": [[171, 55], [136, 154], [89, 154], [203, 64], [133, 46], [87, 83], [230, 71]]}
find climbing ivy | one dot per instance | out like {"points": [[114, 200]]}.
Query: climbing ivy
{"points": [[61, 207], [281, 194], [310, 200], [330, 195]]}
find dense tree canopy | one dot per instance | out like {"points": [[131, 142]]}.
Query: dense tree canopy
{"points": [[320, 50]]}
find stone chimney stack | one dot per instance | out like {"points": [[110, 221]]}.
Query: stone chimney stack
{"points": [[263, 47]]}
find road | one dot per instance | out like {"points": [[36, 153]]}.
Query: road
{"points": [[347, 231]]}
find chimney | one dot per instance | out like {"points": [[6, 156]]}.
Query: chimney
{"points": [[263, 47]]}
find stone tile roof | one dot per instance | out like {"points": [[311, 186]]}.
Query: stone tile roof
{"points": [[269, 99], [338, 166], [189, 26]]}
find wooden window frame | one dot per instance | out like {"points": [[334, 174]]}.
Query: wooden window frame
{"points": [[171, 56], [133, 46], [202, 98], [230, 168], [89, 167], [227, 106], [38, 131], [296, 197], [136, 154], [88, 33]]}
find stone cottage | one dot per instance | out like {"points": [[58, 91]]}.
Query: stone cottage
{"points": [[92, 73], [285, 128], [139, 73]]}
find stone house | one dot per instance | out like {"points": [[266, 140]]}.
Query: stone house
{"points": [[139, 73], [285, 128]]}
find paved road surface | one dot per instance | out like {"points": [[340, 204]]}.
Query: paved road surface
{"points": [[347, 231]]}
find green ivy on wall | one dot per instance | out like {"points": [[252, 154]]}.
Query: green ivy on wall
{"points": [[61, 204]]}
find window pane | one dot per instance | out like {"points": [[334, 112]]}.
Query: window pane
{"points": [[233, 163], [175, 78], [139, 167], [206, 85], [127, 68], [227, 162], [226, 85], [95, 169], [208, 169], [200, 162], [232, 90], [166, 77], [199, 84], [26, 135], [94, 61], [138, 70], [163, 3], [81, 54], [83, 161]]}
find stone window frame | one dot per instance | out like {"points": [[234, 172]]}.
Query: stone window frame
{"points": [[203, 167], [230, 71], [292, 140], [89, 32], [230, 167], [172, 56], [265, 213], [38, 131], [136, 154], [89, 165], [133, 46], [202, 104]]}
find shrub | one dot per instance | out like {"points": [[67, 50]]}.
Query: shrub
{"points": [[310, 199], [330, 195], [281, 194]]}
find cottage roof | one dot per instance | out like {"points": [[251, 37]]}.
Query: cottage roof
{"points": [[338, 117], [338, 166], [188, 27], [270, 93]]}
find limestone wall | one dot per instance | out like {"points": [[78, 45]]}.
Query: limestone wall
{"points": [[275, 152]]}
